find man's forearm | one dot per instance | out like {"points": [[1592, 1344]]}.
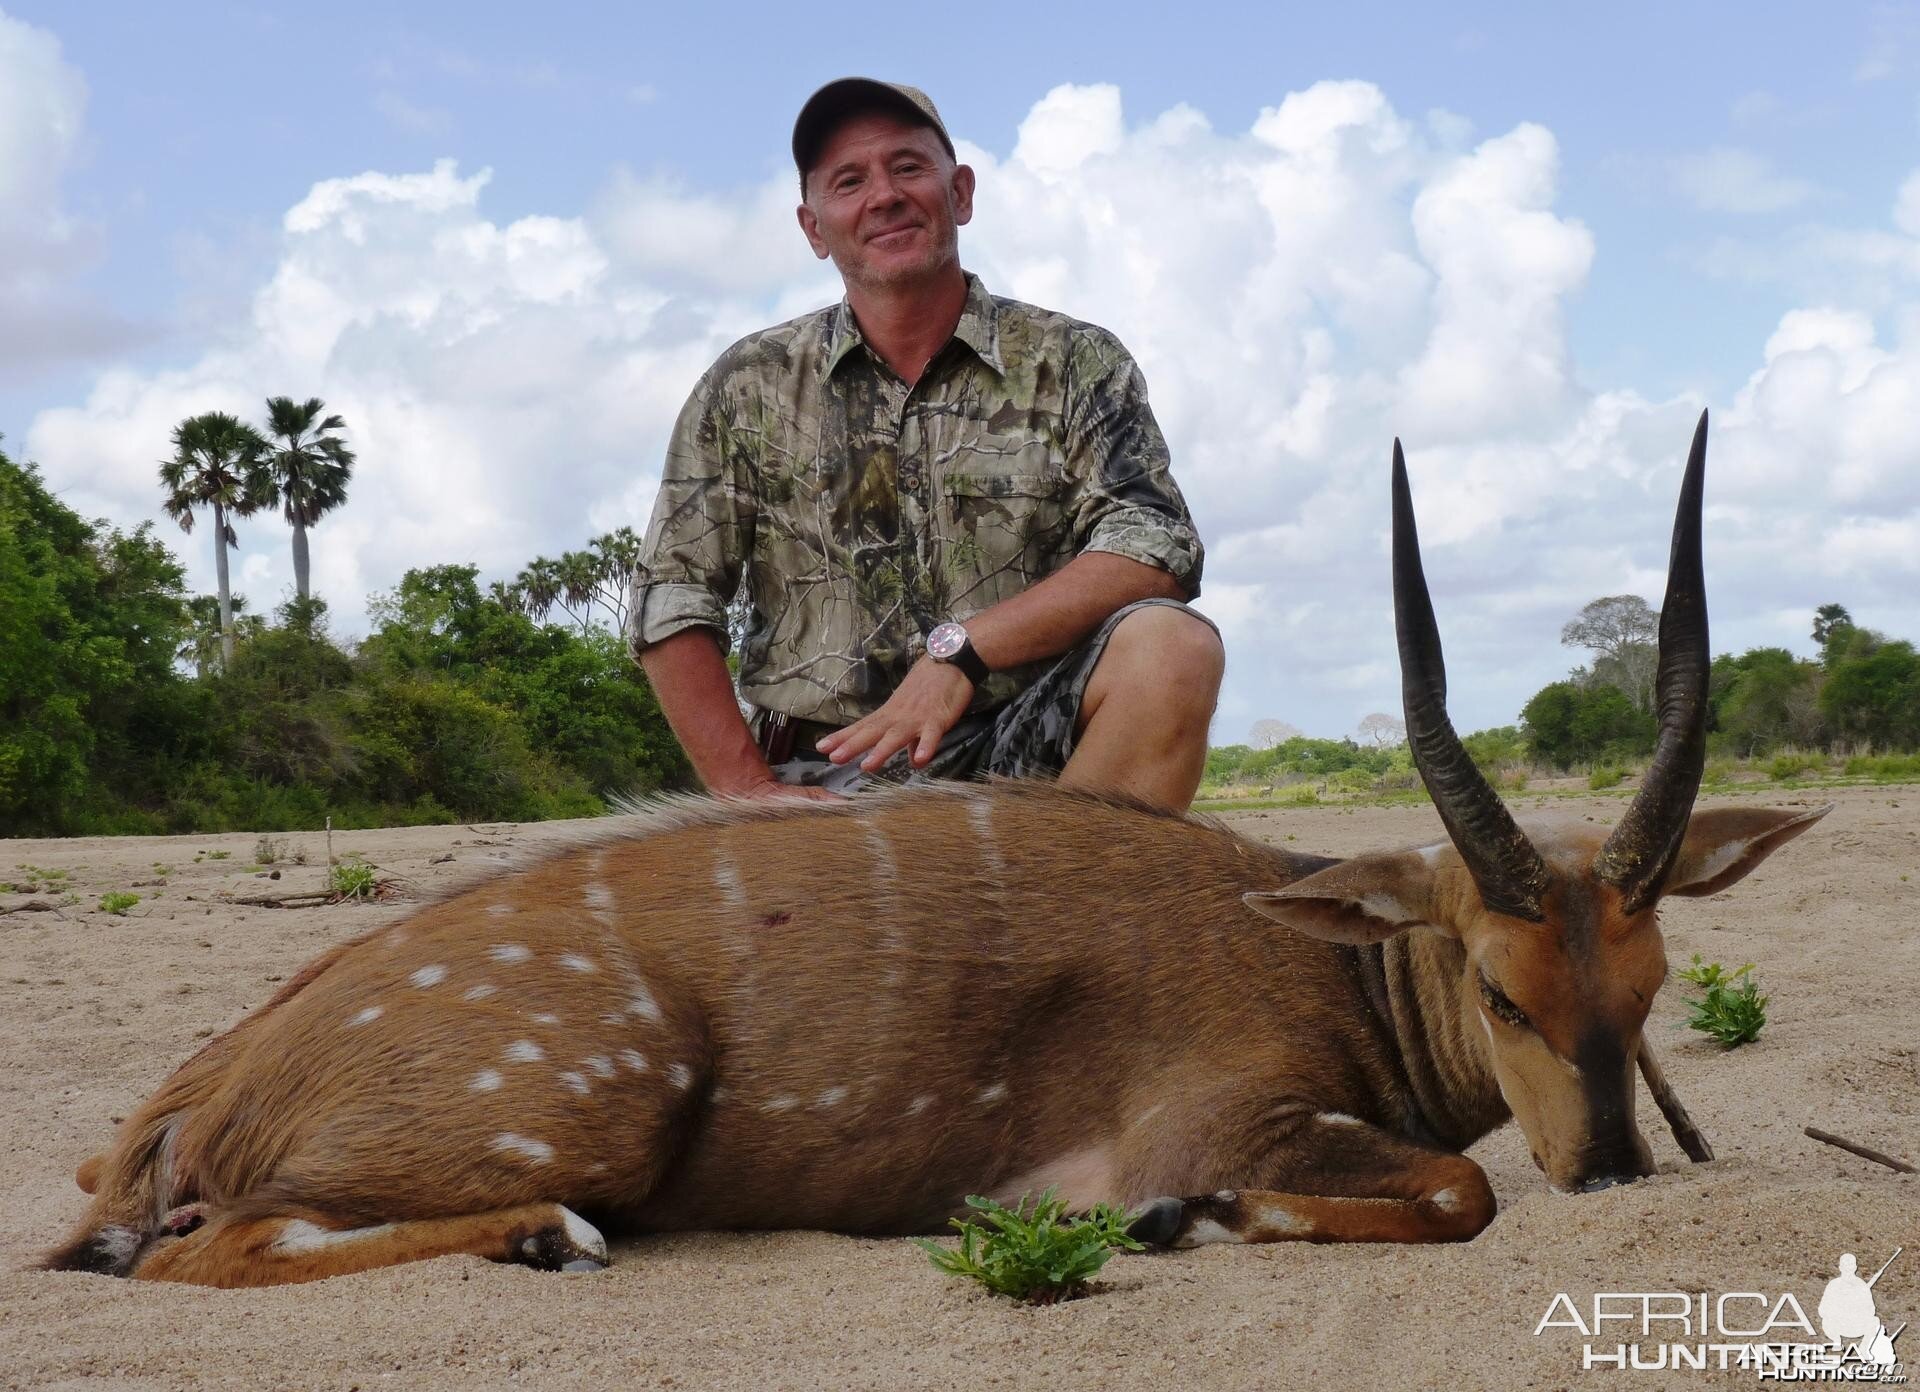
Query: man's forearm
{"points": [[690, 677], [1059, 612]]}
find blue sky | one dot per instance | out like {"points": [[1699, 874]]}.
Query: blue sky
{"points": [[1727, 166]]}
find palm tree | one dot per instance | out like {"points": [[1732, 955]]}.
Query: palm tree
{"points": [[201, 645], [539, 583], [579, 576], [310, 470], [619, 555], [217, 462]]}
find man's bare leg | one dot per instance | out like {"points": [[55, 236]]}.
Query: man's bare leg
{"points": [[1144, 718]]}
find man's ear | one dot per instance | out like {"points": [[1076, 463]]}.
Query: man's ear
{"points": [[1364, 900], [1724, 843], [810, 225], [962, 194]]}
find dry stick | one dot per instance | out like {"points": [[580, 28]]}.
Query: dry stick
{"points": [[1864, 1152], [1684, 1131]]}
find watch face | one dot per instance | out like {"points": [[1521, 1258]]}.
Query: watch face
{"points": [[945, 641]]}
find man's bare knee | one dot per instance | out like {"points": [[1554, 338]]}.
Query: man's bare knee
{"points": [[1170, 640]]}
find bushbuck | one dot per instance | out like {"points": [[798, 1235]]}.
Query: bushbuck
{"points": [[851, 1016]]}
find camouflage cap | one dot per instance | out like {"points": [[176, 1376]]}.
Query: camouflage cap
{"points": [[845, 96]]}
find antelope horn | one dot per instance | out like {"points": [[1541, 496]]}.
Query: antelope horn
{"points": [[1508, 870], [1641, 849]]}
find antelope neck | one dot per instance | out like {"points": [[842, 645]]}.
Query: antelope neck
{"points": [[1412, 987]]}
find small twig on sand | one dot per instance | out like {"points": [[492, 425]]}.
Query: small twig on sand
{"points": [[33, 906], [1864, 1152], [1684, 1131], [283, 901]]}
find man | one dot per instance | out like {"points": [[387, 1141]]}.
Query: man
{"points": [[962, 550]]}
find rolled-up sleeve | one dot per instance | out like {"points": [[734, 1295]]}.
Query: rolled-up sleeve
{"points": [[700, 534], [1127, 502]]}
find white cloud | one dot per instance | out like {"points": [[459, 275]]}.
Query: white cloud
{"points": [[1729, 180], [1298, 293], [43, 103]]}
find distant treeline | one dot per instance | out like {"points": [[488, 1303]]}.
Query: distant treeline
{"points": [[1860, 697], [119, 714]]}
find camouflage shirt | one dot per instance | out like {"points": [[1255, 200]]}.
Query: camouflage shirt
{"points": [[864, 512]]}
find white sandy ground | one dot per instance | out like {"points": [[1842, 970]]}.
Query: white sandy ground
{"points": [[95, 1010]]}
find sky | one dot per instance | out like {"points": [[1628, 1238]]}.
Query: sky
{"points": [[1532, 242]]}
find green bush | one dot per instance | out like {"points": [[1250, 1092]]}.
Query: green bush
{"points": [[352, 878], [1793, 765], [1729, 1009], [1568, 724], [1606, 776], [118, 902], [1040, 1256]]}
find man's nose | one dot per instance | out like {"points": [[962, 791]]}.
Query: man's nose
{"points": [[882, 191]]}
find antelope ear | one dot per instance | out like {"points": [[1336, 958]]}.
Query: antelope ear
{"points": [[1364, 900], [1724, 843]]}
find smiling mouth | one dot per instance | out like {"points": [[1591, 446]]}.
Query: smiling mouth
{"points": [[892, 235]]}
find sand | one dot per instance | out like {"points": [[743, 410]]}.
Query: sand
{"points": [[97, 1009]]}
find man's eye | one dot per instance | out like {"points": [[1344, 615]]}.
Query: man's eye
{"points": [[1499, 1005]]}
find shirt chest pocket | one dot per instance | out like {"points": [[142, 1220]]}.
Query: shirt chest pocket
{"points": [[1002, 530]]}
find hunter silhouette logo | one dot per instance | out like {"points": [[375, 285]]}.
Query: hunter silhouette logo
{"points": [[1848, 1317], [1768, 1333]]}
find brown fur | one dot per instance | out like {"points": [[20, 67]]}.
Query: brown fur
{"points": [[843, 1017]]}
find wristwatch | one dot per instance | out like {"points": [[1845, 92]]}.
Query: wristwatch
{"points": [[949, 643]]}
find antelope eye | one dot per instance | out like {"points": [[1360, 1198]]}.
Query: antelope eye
{"points": [[1497, 1002]]}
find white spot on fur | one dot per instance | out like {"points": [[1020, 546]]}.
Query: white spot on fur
{"points": [[431, 975], [1431, 854], [117, 1243], [726, 878], [643, 1004], [480, 992], [1446, 1201], [980, 818], [1204, 1231], [509, 952], [782, 1103], [367, 1016], [598, 896], [634, 1059], [832, 1097], [608, 1017], [1338, 1119], [989, 1095], [680, 1076], [528, 1149], [920, 1104], [1150, 1114], [501, 910], [717, 1096], [573, 961], [486, 1080], [599, 1065], [298, 1236], [525, 1051], [546, 1017], [1386, 908], [577, 1082], [583, 1234]]}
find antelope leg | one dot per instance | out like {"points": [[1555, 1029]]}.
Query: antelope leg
{"points": [[1684, 1131], [1336, 1180]]}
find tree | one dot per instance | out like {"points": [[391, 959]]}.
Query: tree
{"points": [[201, 642], [1827, 618], [217, 462], [1623, 633], [1765, 698], [1382, 730], [1567, 724], [1266, 734], [1874, 695], [311, 466]]}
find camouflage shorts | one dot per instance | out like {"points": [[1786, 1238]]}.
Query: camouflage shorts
{"points": [[1030, 736]]}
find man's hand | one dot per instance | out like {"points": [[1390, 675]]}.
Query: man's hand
{"points": [[771, 787], [922, 709]]}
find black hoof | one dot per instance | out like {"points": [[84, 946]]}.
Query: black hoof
{"points": [[1158, 1222], [573, 1244]]}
